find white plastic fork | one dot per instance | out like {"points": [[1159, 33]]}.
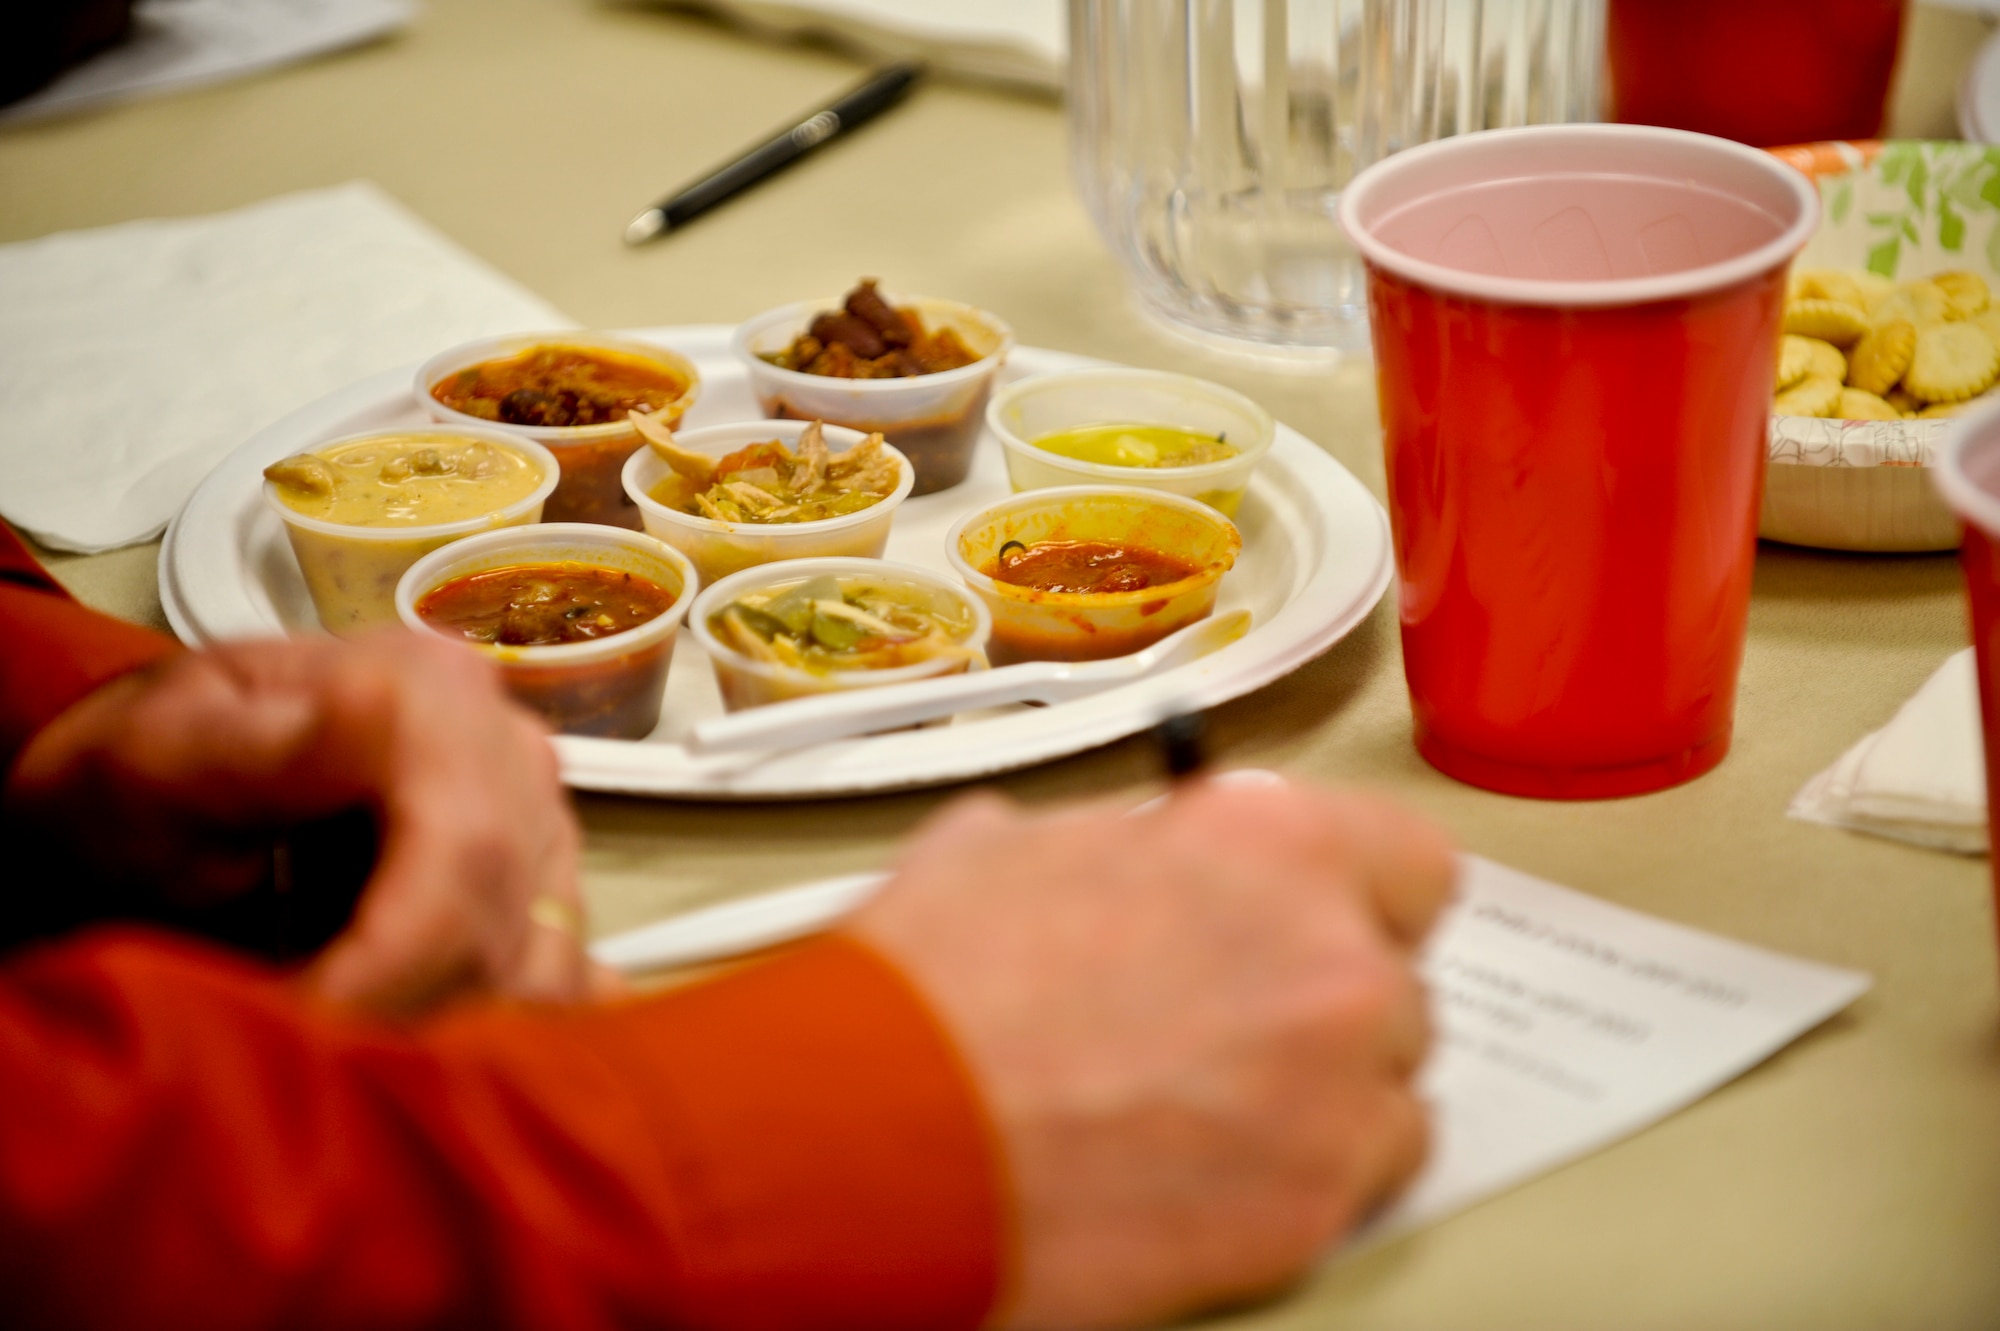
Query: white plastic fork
{"points": [[829, 716]]}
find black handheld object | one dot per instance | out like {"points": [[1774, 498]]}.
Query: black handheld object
{"points": [[1180, 738], [876, 94]]}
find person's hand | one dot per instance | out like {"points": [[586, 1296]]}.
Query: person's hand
{"points": [[181, 780], [1195, 1028]]}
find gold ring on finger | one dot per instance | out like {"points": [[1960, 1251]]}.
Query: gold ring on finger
{"points": [[553, 912]]}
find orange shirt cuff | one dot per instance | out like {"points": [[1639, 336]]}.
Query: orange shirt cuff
{"points": [[73, 651], [834, 1159]]}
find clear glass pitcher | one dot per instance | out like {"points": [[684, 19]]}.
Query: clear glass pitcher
{"points": [[1211, 138]]}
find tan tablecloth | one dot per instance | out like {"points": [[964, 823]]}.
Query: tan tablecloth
{"points": [[1853, 1182]]}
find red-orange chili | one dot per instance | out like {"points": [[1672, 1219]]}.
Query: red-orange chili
{"points": [[559, 386], [1087, 566], [542, 605]]}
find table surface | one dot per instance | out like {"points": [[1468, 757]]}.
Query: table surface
{"points": [[1853, 1181]]}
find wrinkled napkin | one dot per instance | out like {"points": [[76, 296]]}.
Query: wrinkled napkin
{"points": [[1921, 778], [134, 357]]}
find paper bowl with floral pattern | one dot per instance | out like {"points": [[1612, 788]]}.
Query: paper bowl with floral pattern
{"points": [[1901, 209]]}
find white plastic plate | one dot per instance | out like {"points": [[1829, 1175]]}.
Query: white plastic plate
{"points": [[1316, 558]]}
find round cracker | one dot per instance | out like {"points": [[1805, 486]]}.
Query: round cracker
{"points": [[1875, 288], [1879, 359], [1827, 284], [1921, 303], [1903, 402], [1966, 292], [1814, 395], [1856, 405], [1795, 359], [1941, 411], [1828, 320], [1952, 362], [1826, 359]]}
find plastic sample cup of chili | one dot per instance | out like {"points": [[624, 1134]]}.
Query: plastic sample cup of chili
{"points": [[351, 567], [719, 548], [1189, 544], [1968, 475], [579, 617], [1575, 333], [1025, 415], [752, 681], [1769, 72], [935, 419], [528, 383]]}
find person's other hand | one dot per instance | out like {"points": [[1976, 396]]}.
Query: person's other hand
{"points": [[1195, 1028], [181, 780]]}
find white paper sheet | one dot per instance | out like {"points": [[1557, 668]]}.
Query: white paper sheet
{"points": [[184, 43], [1022, 42], [1564, 1022], [134, 357]]}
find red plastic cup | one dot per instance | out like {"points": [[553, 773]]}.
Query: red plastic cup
{"points": [[1968, 475], [1765, 72], [1575, 334]]}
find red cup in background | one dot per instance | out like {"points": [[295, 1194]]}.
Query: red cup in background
{"points": [[1575, 333], [1968, 475], [1765, 72]]}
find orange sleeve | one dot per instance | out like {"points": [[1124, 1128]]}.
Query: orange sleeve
{"points": [[52, 650], [183, 1144]]}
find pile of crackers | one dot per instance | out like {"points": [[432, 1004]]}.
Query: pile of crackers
{"points": [[1860, 347]]}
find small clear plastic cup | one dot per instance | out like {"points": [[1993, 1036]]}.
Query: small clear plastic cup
{"points": [[935, 419], [1032, 625], [351, 572], [745, 682], [1034, 408], [609, 687], [591, 455], [719, 549]]}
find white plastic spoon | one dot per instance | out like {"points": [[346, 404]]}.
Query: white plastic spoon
{"points": [[829, 716], [750, 924]]}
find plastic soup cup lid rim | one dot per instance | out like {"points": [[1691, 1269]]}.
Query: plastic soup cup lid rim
{"points": [[1579, 294], [1246, 454], [480, 350], [551, 475], [554, 543], [725, 590], [801, 312], [1210, 571]]}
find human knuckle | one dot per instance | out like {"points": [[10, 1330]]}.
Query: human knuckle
{"points": [[484, 846], [1232, 800], [1377, 990], [1410, 1126], [537, 756]]}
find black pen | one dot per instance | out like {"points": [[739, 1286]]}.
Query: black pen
{"points": [[877, 93], [1183, 750]]}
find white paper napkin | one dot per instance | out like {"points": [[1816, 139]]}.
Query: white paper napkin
{"points": [[134, 357], [1921, 778], [1023, 42]]}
